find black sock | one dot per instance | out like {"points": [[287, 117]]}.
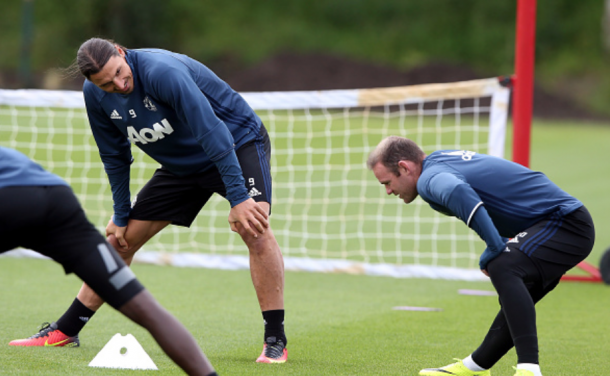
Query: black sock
{"points": [[274, 324], [75, 318]]}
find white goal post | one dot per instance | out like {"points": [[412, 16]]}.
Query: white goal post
{"points": [[328, 212]]}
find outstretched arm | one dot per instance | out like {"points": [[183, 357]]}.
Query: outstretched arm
{"points": [[115, 152]]}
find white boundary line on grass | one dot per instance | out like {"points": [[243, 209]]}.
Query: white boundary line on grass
{"points": [[299, 264]]}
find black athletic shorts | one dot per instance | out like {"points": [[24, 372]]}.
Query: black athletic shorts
{"points": [[50, 220], [555, 244], [178, 199]]}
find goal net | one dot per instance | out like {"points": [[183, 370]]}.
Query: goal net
{"points": [[329, 213]]}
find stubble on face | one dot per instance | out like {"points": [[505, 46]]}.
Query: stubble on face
{"points": [[115, 76]]}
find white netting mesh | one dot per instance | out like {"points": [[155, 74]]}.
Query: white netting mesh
{"points": [[326, 204]]}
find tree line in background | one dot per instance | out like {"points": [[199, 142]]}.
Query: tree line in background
{"points": [[400, 33]]}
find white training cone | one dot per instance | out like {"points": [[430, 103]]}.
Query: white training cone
{"points": [[123, 352]]}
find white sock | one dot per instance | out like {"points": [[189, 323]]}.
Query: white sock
{"points": [[471, 365], [535, 368]]}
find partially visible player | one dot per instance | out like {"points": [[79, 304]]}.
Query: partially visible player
{"points": [[207, 140], [551, 233], [39, 211]]}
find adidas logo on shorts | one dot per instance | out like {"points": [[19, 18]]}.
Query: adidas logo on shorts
{"points": [[254, 192]]}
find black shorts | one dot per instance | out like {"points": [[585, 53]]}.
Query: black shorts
{"points": [[178, 199], [556, 244], [50, 220]]}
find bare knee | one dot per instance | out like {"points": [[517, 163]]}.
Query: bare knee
{"points": [[260, 245]]}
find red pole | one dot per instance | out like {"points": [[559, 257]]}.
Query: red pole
{"points": [[523, 100], [523, 95]]}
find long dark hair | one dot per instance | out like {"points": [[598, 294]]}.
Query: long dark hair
{"points": [[92, 55]]}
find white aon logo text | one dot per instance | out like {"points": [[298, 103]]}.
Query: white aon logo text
{"points": [[147, 135]]}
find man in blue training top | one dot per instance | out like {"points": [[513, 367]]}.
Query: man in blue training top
{"points": [[207, 140], [550, 231], [35, 201]]}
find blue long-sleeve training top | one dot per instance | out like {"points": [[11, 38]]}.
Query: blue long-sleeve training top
{"points": [[180, 114], [495, 197], [17, 170]]}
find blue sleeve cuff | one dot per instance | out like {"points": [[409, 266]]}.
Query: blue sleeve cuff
{"points": [[120, 220], [233, 178], [487, 256], [239, 200]]}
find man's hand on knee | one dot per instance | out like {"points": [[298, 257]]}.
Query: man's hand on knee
{"points": [[125, 252]]}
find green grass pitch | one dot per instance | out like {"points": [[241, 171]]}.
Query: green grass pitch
{"points": [[337, 324]]}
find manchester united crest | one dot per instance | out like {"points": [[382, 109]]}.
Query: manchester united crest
{"points": [[150, 106]]}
